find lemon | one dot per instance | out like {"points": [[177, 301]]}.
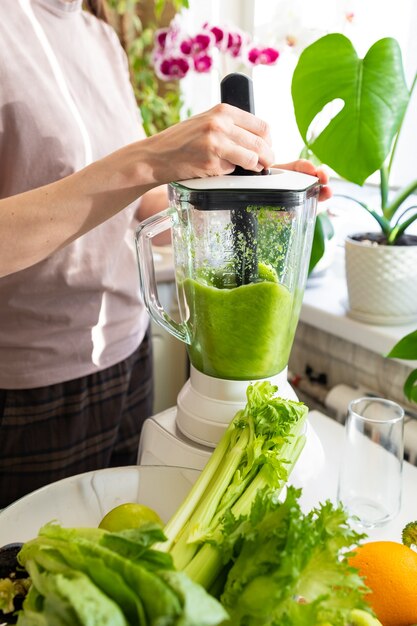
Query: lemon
{"points": [[129, 515]]}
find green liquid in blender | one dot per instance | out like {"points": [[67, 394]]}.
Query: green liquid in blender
{"points": [[241, 333]]}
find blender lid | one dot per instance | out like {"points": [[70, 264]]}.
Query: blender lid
{"points": [[277, 188], [276, 180]]}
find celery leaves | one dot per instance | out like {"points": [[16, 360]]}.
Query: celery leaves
{"points": [[290, 568]]}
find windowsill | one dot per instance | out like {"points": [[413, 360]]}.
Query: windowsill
{"points": [[325, 306], [325, 303]]}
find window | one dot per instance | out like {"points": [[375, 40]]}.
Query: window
{"points": [[302, 21]]}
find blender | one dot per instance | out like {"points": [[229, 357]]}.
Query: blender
{"points": [[241, 246]]}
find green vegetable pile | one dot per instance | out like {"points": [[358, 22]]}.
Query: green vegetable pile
{"points": [[268, 562], [235, 553]]}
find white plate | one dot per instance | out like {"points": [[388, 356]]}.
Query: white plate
{"points": [[83, 500]]}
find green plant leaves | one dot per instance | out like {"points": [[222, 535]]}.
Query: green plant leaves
{"points": [[358, 139], [406, 348], [410, 387], [323, 231]]}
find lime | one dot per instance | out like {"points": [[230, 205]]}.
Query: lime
{"points": [[129, 515]]}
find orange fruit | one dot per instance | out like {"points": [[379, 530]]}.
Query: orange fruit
{"points": [[389, 570]]}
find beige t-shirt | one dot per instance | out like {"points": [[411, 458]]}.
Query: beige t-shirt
{"points": [[65, 101]]}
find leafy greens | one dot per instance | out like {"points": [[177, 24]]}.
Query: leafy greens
{"points": [[290, 568]]}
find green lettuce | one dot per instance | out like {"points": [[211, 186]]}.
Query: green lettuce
{"points": [[122, 576]]}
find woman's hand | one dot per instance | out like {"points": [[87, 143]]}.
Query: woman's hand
{"points": [[307, 167], [210, 144]]}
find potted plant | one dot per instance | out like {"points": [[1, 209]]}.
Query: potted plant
{"points": [[359, 140]]}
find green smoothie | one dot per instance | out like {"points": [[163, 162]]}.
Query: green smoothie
{"points": [[242, 333]]}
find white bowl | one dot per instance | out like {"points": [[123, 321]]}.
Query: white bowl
{"points": [[83, 500]]}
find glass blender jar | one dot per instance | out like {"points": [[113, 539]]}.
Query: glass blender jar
{"points": [[241, 248]]}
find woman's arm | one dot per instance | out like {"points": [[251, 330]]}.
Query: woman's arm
{"points": [[36, 223]]}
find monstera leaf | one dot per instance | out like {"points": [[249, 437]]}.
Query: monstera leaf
{"points": [[358, 139]]}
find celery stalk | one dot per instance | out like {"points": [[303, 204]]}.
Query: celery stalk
{"points": [[207, 563], [183, 513], [199, 524], [258, 450]]}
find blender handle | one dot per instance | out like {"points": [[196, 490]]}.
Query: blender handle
{"points": [[145, 232], [237, 89]]}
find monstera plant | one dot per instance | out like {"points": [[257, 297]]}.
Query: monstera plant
{"points": [[372, 98]]}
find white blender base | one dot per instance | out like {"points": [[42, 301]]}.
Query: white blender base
{"points": [[206, 405]]}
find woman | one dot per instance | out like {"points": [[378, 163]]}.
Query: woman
{"points": [[75, 355]]}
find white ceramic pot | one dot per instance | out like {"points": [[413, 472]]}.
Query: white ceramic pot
{"points": [[381, 282]]}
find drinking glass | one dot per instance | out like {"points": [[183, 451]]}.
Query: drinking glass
{"points": [[371, 472]]}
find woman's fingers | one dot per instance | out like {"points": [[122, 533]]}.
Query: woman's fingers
{"points": [[235, 136], [253, 152], [246, 121], [307, 167], [212, 143]]}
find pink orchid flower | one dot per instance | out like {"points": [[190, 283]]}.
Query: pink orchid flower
{"points": [[198, 44], [160, 38], [263, 56], [175, 52], [234, 43], [172, 68], [218, 33], [203, 63]]}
